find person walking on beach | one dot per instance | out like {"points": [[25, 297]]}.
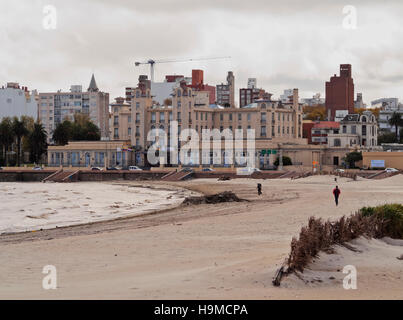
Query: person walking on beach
{"points": [[259, 189], [336, 193]]}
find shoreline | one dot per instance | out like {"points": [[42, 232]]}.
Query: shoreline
{"points": [[177, 192]]}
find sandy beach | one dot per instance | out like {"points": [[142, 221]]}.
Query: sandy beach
{"points": [[220, 251]]}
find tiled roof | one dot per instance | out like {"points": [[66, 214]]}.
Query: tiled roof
{"points": [[327, 124]]}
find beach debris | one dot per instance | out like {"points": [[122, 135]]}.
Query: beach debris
{"points": [[279, 275], [226, 196], [400, 258]]}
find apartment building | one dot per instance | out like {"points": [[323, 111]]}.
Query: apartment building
{"points": [[121, 120], [251, 95], [272, 121], [322, 129], [55, 107], [340, 92], [364, 127], [226, 92], [16, 101]]}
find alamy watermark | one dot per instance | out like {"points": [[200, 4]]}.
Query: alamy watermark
{"points": [[49, 282], [49, 21], [350, 20], [185, 147], [350, 281]]}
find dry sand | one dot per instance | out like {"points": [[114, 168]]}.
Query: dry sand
{"points": [[222, 251]]}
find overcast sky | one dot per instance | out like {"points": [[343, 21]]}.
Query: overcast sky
{"points": [[284, 43]]}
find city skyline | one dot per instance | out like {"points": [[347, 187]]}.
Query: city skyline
{"points": [[306, 48]]}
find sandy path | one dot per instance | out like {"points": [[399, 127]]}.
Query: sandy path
{"points": [[221, 251]]}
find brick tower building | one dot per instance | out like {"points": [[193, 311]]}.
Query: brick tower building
{"points": [[340, 92]]}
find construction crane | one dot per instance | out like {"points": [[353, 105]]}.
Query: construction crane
{"points": [[152, 62]]}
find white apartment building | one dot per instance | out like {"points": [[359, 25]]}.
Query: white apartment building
{"points": [[16, 101], [55, 107], [356, 130]]}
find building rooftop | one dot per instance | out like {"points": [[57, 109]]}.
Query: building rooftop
{"points": [[327, 125]]}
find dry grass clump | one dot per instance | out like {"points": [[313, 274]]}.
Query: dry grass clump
{"points": [[370, 222]]}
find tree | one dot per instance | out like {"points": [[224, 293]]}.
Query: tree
{"points": [[82, 129], [6, 137], [352, 157], [29, 124], [62, 133], [167, 102], [386, 137], [396, 121], [286, 161], [375, 111], [20, 130], [315, 113], [37, 142]]}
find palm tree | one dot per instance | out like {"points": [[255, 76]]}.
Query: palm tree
{"points": [[37, 142], [396, 121], [20, 130], [6, 137]]}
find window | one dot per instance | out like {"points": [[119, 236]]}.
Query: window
{"points": [[249, 116], [137, 117], [221, 117], [129, 131], [162, 117], [116, 133], [153, 116], [263, 131], [116, 120], [129, 119], [353, 129], [137, 105], [337, 142], [344, 129], [230, 117], [179, 116], [179, 104], [239, 116]]}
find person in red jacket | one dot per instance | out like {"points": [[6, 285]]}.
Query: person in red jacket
{"points": [[336, 193]]}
